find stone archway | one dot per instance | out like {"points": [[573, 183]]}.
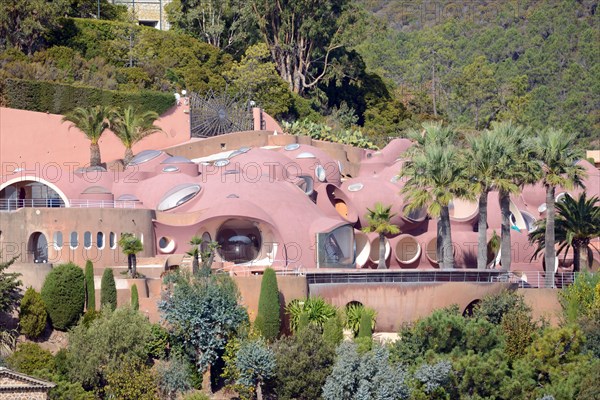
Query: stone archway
{"points": [[37, 248]]}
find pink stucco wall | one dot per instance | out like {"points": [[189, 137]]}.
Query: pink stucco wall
{"points": [[43, 138]]}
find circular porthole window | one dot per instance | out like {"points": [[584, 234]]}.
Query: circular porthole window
{"points": [[221, 163], [166, 244], [292, 146], [178, 195], [170, 168], [145, 156], [320, 173], [355, 187]]}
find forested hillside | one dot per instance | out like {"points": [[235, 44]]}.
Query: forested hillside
{"points": [[380, 66]]}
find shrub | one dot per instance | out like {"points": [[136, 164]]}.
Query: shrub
{"points": [[30, 357], [353, 314], [196, 396], [268, 322], [173, 377], [131, 380], [256, 363], [59, 98], [135, 301], [90, 290], [108, 290], [64, 295], [365, 330], [317, 309], [493, 307], [113, 337], [33, 315], [333, 331], [158, 344]]}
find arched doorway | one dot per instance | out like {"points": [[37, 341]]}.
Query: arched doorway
{"points": [[30, 191], [37, 248]]}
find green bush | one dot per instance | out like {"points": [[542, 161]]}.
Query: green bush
{"points": [[365, 329], [64, 295], [30, 357], [59, 98], [333, 331], [135, 300], [268, 321], [33, 315], [90, 290], [353, 314], [108, 290], [158, 345]]}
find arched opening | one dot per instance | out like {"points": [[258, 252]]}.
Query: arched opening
{"points": [[37, 247], [470, 308], [374, 252], [239, 240], [354, 303], [407, 250], [30, 191]]}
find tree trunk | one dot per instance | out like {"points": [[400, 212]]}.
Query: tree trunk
{"points": [[206, 378], [95, 160], [584, 259], [482, 231], [129, 264], [433, 89], [439, 244], [549, 250], [128, 155], [195, 264], [133, 266], [577, 257], [448, 253], [505, 249], [381, 263], [259, 394]]}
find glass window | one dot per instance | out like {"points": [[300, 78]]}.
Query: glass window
{"points": [[100, 240], [87, 239], [74, 239], [112, 240], [239, 241], [336, 248], [58, 240], [177, 196]]}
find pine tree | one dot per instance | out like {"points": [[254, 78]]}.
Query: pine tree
{"points": [[268, 321], [108, 290], [90, 290]]}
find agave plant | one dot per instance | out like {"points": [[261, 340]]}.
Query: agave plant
{"points": [[353, 314], [317, 310]]}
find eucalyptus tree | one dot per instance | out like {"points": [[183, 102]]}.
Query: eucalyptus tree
{"points": [[559, 153], [93, 122], [378, 220], [576, 223]]}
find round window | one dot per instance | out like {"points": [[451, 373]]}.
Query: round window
{"points": [[239, 241]]}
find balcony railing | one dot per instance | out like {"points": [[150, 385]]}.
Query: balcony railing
{"points": [[15, 204]]}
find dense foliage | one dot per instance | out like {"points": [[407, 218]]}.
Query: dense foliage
{"points": [[108, 290], [268, 322], [32, 315], [10, 293], [90, 289], [135, 300], [64, 295]]}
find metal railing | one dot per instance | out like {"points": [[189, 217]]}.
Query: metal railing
{"points": [[315, 277], [16, 204]]}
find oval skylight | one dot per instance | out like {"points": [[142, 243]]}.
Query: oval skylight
{"points": [[306, 155], [340, 166], [178, 195], [96, 190], [145, 156], [127, 197], [355, 187], [221, 163], [177, 160], [292, 146], [244, 149], [170, 168], [320, 173]]}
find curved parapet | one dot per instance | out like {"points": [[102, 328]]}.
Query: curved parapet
{"points": [[362, 248], [374, 252], [407, 251]]}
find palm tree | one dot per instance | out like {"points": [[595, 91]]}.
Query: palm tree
{"points": [[433, 132], [517, 169], [558, 152], [130, 246], [488, 154], [132, 126], [379, 221], [92, 121], [194, 252], [436, 176], [577, 222]]}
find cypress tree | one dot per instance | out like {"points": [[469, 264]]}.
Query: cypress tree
{"points": [[135, 301], [108, 290], [333, 331], [268, 321], [90, 290], [365, 329]]}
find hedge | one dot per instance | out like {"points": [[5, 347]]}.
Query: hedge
{"points": [[60, 98], [64, 295]]}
